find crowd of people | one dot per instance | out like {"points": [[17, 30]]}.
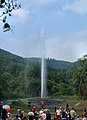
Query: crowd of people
{"points": [[4, 112], [60, 113], [45, 114]]}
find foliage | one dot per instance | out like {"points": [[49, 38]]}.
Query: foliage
{"points": [[21, 77], [7, 7], [79, 77]]}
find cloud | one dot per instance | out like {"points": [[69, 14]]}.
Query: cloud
{"points": [[24, 43], [40, 3], [68, 48], [28, 47], [21, 14], [44, 1], [79, 6], [13, 45], [61, 48], [58, 13], [33, 45]]}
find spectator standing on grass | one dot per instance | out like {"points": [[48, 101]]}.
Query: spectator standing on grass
{"points": [[43, 116], [68, 115], [64, 114], [78, 118], [0, 109], [17, 118], [21, 114], [84, 115], [56, 116], [4, 114], [67, 107], [40, 114], [18, 112], [35, 113], [48, 115], [73, 114], [31, 115]]}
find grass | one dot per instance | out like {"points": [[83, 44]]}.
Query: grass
{"points": [[71, 100]]}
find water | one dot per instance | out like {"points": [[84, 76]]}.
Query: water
{"points": [[27, 90], [43, 78], [43, 70], [43, 67]]}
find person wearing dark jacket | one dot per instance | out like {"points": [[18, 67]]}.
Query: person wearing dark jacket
{"points": [[4, 114], [48, 115]]}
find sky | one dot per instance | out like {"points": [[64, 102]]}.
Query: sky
{"points": [[56, 29]]}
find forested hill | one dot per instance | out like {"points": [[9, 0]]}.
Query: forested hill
{"points": [[51, 63], [7, 58], [21, 77]]}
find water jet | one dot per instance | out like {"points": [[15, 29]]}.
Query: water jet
{"points": [[43, 66]]}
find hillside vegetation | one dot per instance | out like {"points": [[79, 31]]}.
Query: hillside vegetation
{"points": [[21, 77]]}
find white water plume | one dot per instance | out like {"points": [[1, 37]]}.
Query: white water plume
{"points": [[43, 66]]}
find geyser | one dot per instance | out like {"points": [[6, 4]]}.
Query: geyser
{"points": [[43, 66]]}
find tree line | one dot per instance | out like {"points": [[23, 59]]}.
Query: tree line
{"points": [[20, 80]]}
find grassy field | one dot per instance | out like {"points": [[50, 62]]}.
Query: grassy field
{"points": [[73, 101]]}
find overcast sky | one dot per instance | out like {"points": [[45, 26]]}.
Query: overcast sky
{"points": [[65, 29]]}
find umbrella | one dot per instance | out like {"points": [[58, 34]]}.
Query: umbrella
{"points": [[5, 106]]}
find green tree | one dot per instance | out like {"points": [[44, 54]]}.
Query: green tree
{"points": [[79, 77], [33, 79]]}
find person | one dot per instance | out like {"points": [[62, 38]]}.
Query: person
{"points": [[43, 116], [31, 115], [4, 114], [9, 113], [59, 111], [67, 107], [40, 114], [21, 114], [48, 115], [78, 118], [64, 114], [0, 109], [42, 104], [56, 116], [33, 109], [68, 115], [35, 113], [9, 116], [73, 114], [84, 114], [55, 109], [18, 112], [17, 118], [35, 116]]}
